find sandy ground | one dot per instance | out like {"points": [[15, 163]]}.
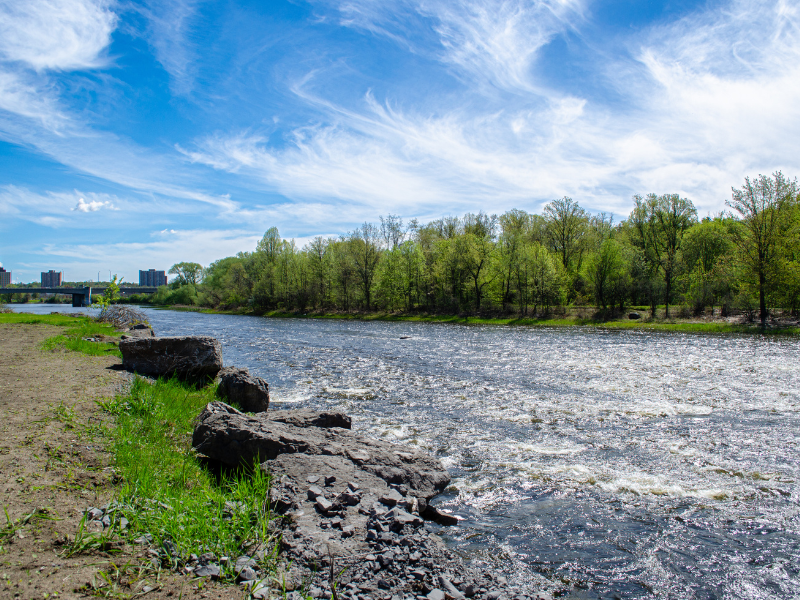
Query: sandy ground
{"points": [[53, 465]]}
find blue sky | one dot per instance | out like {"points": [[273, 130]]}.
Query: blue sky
{"points": [[134, 135]]}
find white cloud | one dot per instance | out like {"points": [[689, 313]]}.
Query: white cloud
{"points": [[704, 102], [490, 42], [56, 34], [92, 206], [41, 36]]}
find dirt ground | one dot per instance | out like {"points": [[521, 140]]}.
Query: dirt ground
{"points": [[54, 465]]}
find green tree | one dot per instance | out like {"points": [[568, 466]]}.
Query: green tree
{"points": [[366, 253], [661, 222], [605, 271], [761, 206], [188, 273], [566, 228]]}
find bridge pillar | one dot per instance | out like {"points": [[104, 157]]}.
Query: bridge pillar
{"points": [[83, 298]]}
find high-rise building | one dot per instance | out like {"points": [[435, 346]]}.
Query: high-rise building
{"points": [[5, 277], [152, 278], [51, 279]]}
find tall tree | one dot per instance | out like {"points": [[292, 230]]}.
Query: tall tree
{"points": [[188, 273], [661, 222], [566, 227], [760, 207], [366, 253], [392, 231]]}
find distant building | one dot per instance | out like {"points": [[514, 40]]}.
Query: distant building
{"points": [[152, 278], [51, 279], [5, 277]]}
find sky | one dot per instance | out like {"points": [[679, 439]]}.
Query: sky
{"points": [[135, 135]]}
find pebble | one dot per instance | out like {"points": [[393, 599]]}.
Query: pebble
{"points": [[210, 570], [94, 514]]}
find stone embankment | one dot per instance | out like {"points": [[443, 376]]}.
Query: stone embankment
{"points": [[350, 510]]}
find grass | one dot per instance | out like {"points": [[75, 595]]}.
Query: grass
{"points": [[166, 493], [74, 338], [77, 328]]}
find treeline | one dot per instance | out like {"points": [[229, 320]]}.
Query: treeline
{"points": [[746, 259]]}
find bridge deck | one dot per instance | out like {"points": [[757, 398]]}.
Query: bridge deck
{"points": [[82, 290]]}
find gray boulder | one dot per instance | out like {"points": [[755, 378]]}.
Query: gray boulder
{"points": [[248, 391], [309, 418], [224, 434], [188, 357], [140, 330]]}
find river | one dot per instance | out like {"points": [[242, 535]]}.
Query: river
{"points": [[628, 464]]}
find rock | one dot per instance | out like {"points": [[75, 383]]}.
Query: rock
{"points": [[400, 518], [246, 574], [244, 562], [437, 516], [138, 331], [309, 418], [323, 505], [94, 514], [391, 498], [450, 589], [435, 595], [314, 492], [634, 315], [188, 357], [210, 570], [251, 393], [144, 540], [222, 433]]}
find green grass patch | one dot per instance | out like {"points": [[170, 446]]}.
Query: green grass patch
{"points": [[77, 328], [167, 493], [31, 319], [74, 338]]}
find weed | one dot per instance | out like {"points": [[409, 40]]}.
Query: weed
{"points": [[86, 541]]}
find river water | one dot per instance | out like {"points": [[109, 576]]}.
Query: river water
{"points": [[627, 464]]}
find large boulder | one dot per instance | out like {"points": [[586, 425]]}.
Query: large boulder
{"points": [[309, 418], [224, 434], [251, 393], [188, 357]]}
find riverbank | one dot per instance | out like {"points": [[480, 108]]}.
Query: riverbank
{"points": [[717, 325], [56, 460]]}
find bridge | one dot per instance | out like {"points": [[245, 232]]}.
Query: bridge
{"points": [[81, 296]]}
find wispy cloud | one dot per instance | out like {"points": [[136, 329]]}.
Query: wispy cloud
{"points": [[491, 42], [688, 122], [38, 37], [169, 34], [56, 34]]}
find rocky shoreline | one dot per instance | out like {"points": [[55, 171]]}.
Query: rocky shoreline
{"points": [[350, 511]]}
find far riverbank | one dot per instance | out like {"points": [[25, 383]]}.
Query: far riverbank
{"points": [[715, 325]]}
